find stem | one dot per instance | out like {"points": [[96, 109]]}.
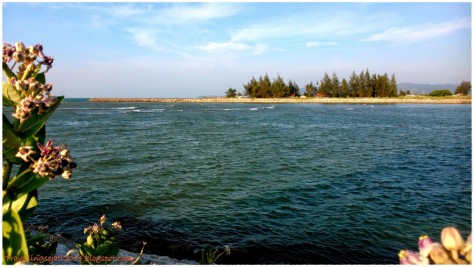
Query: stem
{"points": [[7, 169], [139, 256]]}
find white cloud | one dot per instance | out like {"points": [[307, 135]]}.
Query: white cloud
{"points": [[215, 46], [319, 44], [127, 10], [419, 33]]}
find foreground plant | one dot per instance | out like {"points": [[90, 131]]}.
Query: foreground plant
{"points": [[210, 256], [99, 247], [24, 150], [452, 250]]}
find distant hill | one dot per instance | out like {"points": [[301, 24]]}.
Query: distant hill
{"points": [[420, 88]]}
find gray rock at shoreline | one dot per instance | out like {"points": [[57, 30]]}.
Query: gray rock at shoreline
{"points": [[67, 254]]}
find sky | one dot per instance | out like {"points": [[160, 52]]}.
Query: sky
{"points": [[164, 49]]}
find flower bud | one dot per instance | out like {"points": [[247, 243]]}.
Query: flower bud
{"points": [[32, 50], [20, 47], [18, 57], [438, 254], [20, 85], [424, 245], [66, 174], [117, 226], [102, 220], [408, 257], [451, 238]]}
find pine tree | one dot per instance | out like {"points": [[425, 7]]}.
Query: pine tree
{"points": [[325, 88], [353, 84], [279, 88], [310, 90], [344, 88], [368, 84], [265, 86], [362, 84], [294, 89], [393, 87], [336, 86]]}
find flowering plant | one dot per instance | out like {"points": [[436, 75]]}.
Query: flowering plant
{"points": [[24, 149], [99, 247], [452, 250]]}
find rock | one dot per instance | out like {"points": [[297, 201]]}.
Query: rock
{"points": [[67, 254]]}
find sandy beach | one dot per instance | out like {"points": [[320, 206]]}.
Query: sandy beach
{"points": [[316, 100]]}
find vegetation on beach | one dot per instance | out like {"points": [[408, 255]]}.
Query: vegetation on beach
{"points": [[441, 93], [362, 85], [463, 89]]}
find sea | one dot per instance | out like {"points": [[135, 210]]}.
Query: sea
{"points": [[277, 183]]}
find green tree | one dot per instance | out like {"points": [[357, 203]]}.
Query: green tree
{"points": [[375, 86], [382, 86], [362, 83], [336, 86], [368, 84], [344, 88], [464, 88], [251, 88], [310, 90], [294, 89], [444, 92], [325, 88], [279, 87], [393, 88], [264, 87], [231, 93], [353, 84]]}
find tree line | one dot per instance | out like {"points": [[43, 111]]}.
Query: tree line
{"points": [[362, 85]]}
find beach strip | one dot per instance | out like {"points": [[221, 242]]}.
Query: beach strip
{"points": [[316, 100]]}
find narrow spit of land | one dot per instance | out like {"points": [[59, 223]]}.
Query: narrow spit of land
{"points": [[317, 100]]}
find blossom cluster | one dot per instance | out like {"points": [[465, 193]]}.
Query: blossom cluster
{"points": [[452, 250], [95, 229], [26, 56], [35, 95], [53, 161]]}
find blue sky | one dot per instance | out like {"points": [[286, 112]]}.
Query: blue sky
{"points": [[162, 49]]}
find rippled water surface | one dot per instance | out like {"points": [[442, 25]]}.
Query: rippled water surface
{"points": [[289, 183]]}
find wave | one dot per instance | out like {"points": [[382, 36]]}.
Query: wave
{"points": [[121, 108], [149, 110]]}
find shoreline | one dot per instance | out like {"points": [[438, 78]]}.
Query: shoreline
{"points": [[315, 100]]}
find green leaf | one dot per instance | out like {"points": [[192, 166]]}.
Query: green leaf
{"points": [[8, 72], [41, 78], [34, 124], [38, 248], [26, 181], [11, 97], [11, 144], [15, 248], [107, 249], [25, 204]]}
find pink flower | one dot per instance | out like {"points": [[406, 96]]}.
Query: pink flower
{"points": [[425, 245], [408, 257]]}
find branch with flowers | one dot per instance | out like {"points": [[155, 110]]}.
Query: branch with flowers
{"points": [[28, 162], [453, 249]]}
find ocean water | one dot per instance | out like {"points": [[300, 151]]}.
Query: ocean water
{"points": [[278, 183]]}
